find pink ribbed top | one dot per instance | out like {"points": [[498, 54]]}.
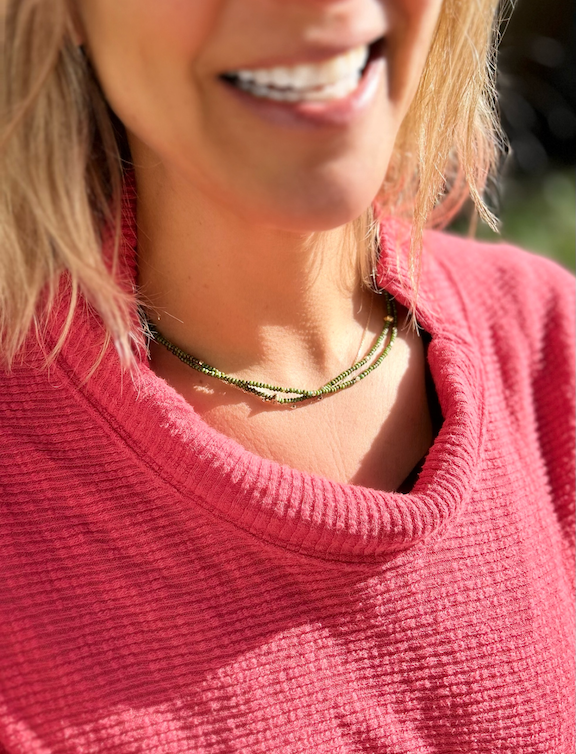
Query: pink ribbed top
{"points": [[164, 590]]}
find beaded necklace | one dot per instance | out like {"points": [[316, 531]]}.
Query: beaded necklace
{"points": [[286, 395]]}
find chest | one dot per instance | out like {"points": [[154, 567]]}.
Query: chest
{"points": [[372, 434]]}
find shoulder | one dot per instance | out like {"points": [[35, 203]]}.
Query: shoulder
{"points": [[518, 309], [480, 263], [498, 282]]}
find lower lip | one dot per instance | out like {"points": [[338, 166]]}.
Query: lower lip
{"points": [[321, 114]]}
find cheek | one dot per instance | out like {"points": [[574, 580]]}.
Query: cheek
{"points": [[171, 24], [132, 43], [181, 26], [414, 25]]}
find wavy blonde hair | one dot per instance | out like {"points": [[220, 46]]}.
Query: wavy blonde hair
{"points": [[61, 161]]}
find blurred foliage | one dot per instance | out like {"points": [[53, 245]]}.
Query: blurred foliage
{"points": [[538, 214], [536, 201]]}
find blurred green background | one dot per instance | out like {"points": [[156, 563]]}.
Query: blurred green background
{"points": [[536, 200]]}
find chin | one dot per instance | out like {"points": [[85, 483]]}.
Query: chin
{"points": [[314, 213], [322, 220], [308, 205]]}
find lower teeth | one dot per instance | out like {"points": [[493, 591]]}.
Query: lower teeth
{"points": [[332, 91]]}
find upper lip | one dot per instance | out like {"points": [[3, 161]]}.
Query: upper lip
{"points": [[315, 54]]}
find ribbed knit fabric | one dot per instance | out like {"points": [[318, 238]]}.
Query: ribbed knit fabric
{"points": [[163, 590]]}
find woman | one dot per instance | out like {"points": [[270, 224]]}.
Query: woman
{"points": [[280, 473]]}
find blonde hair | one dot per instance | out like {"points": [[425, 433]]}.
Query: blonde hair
{"points": [[61, 166]]}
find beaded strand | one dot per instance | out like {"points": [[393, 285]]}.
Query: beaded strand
{"points": [[270, 393]]}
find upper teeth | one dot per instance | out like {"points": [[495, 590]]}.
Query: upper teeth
{"points": [[334, 75]]}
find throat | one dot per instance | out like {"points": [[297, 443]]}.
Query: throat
{"points": [[283, 395], [372, 435]]}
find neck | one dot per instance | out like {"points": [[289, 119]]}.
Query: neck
{"points": [[249, 299]]}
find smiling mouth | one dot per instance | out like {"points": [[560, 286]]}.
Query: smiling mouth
{"points": [[332, 79]]}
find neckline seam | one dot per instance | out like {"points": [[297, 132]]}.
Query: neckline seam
{"points": [[138, 452], [150, 466]]}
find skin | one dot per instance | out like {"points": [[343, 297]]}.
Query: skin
{"points": [[243, 256]]}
